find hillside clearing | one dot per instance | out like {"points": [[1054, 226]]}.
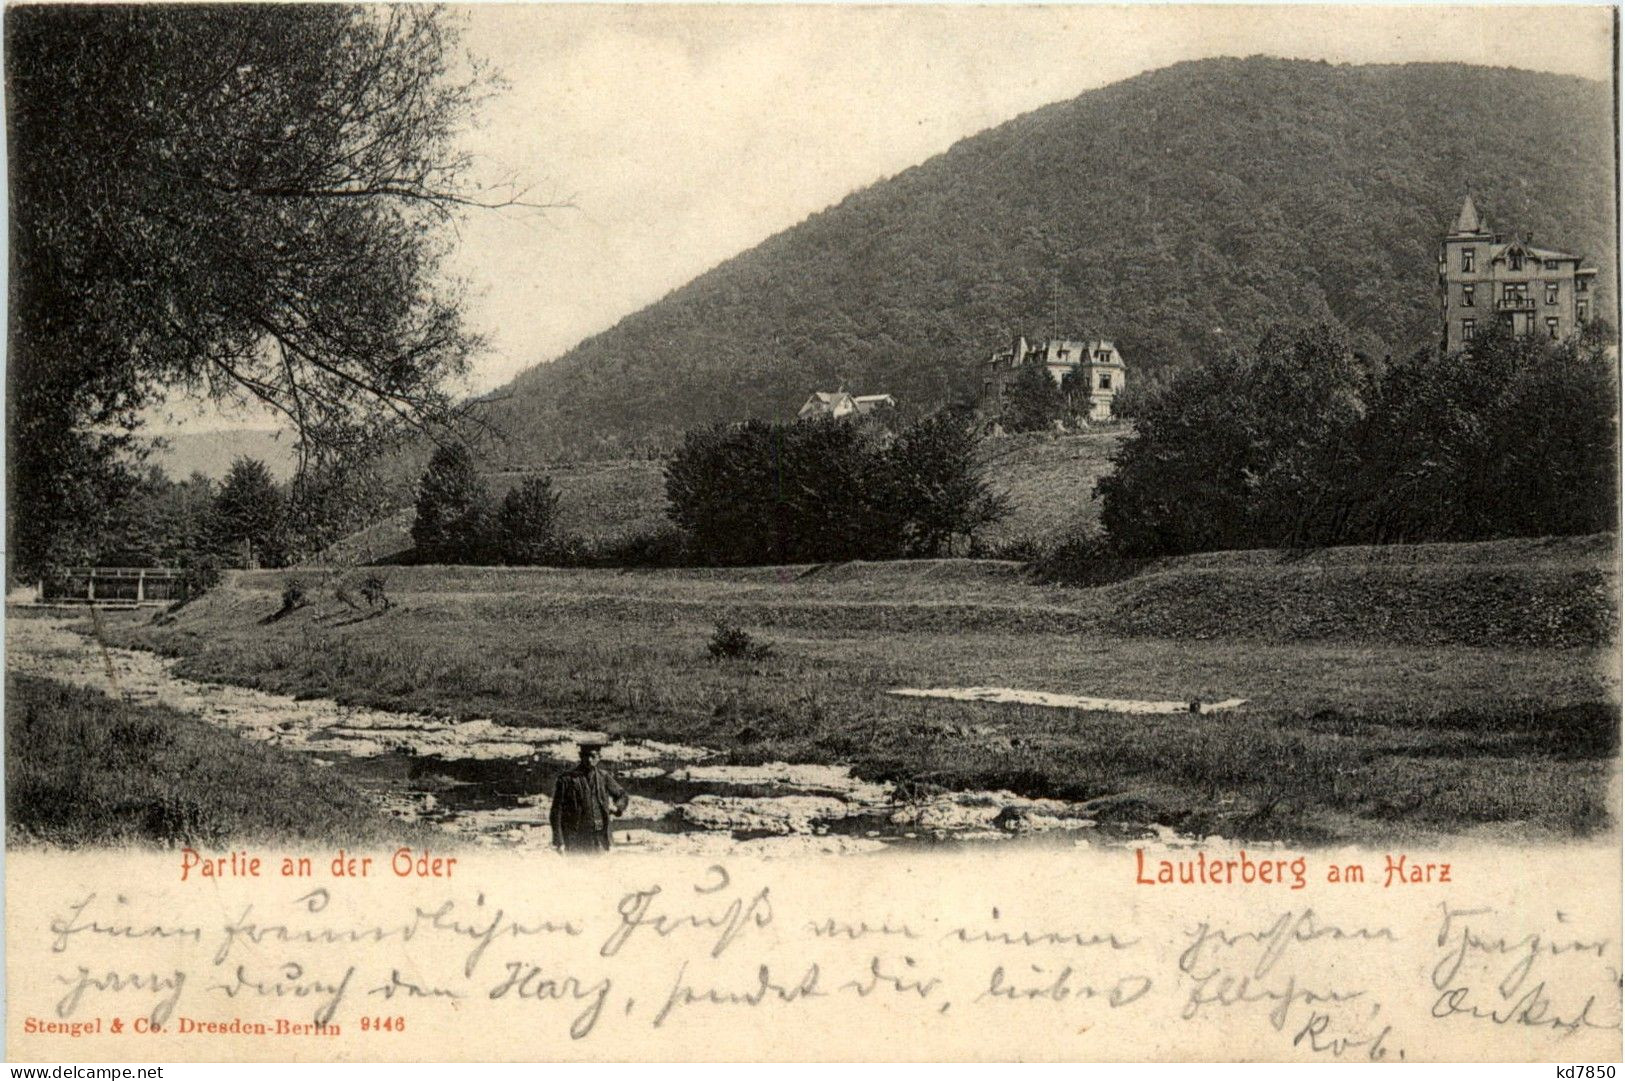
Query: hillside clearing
{"points": [[1048, 478], [598, 501]]}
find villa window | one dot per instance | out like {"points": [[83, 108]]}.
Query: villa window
{"points": [[1105, 380], [1580, 310], [1551, 264], [1468, 326], [1551, 327], [1467, 260], [1466, 296], [1581, 284], [1515, 260], [1551, 293]]}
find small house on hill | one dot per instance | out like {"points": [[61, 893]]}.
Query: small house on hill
{"points": [[841, 404]]}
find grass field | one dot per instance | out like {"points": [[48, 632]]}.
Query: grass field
{"points": [[1391, 692], [1049, 480], [82, 768]]}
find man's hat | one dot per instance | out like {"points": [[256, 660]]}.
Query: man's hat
{"points": [[592, 743]]}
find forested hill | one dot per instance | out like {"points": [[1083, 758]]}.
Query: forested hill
{"points": [[1173, 212]]}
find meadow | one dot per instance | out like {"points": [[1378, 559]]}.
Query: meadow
{"points": [[1049, 480], [1391, 692]]}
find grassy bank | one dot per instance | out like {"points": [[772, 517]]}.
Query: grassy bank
{"points": [[1389, 690], [82, 768]]}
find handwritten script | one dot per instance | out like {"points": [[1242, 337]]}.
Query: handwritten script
{"points": [[757, 952]]}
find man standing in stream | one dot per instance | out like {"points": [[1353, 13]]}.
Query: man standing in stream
{"points": [[583, 800]]}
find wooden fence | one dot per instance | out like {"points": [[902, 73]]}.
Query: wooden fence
{"points": [[114, 585]]}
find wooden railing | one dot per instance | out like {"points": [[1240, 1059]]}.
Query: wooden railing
{"points": [[114, 585]]}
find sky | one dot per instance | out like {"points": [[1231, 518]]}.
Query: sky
{"points": [[681, 135]]}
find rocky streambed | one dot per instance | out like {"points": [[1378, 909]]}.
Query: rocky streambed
{"points": [[490, 783]]}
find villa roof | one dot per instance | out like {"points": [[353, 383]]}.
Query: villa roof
{"points": [[1468, 220]]}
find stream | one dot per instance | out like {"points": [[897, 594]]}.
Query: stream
{"points": [[489, 783]]}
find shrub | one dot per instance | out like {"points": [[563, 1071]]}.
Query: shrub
{"points": [[570, 550], [1023, 549], [346, 596], [1085, 559], [200, 575], [372, 591], [732, 642], [293, 594], [664, 546]]}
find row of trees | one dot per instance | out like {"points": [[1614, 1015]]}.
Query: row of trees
{"points": [[750, 493], [1302, 442], [247, 517], [169, 523], [822, 490], [1299, 442], [458, 521]]}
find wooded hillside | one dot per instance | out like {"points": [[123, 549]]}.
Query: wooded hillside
{"points": [[1174, 213]]}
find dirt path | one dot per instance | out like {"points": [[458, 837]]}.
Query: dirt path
{"points": [[489, 782]]}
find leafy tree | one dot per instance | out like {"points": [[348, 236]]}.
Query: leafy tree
{"points": [[828, 489], [1246, 450], [936, 484], [329, 500], [1142, 385], [1303, 442], [723, 486], [453, 523], [756, 493], [1510, 436], [527, 522], [249, 513], [1033, 402], [244, 201], [832, 493], [1561, 462], [163, 523]]}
